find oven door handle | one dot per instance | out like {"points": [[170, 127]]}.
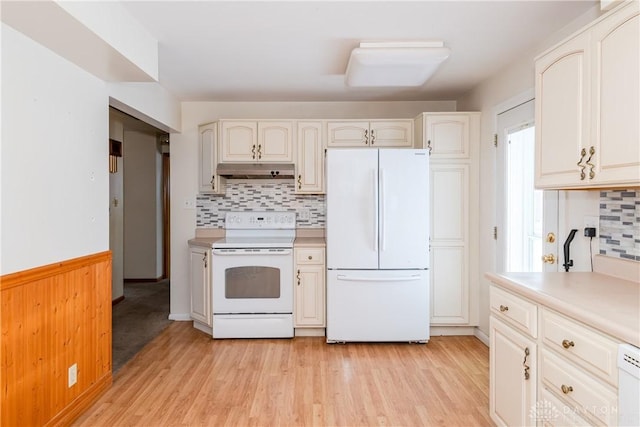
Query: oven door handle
{"points": [[236, 252]]}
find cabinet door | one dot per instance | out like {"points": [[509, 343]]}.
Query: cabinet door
{"points": [[275, 142], [310, 158], [447, 136], [347, 134], [396, 133], [616, 98], [208, 181], [562, 114], [512, 376], [449, 243], [200, 285], [239, 141], [309, 294]]}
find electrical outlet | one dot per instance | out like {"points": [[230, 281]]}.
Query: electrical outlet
{"points": [[304, 214], [73, 375]]}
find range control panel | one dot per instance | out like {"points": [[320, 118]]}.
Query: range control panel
{"points": [[260, 220]]}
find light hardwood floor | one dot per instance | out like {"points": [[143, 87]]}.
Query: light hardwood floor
{"points": [[184, 378]]}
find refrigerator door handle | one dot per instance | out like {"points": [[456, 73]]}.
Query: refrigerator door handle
{"points": [[375, 209], [382, 210], [347, 278]]}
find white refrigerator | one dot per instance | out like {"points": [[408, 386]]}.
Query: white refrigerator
{"points": [[377, 245]]}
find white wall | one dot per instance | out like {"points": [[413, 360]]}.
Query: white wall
{"points": [[142, 242], [510, 85], [55, 135], [184, 161]]}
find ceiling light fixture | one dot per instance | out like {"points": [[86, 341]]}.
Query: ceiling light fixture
{"points": [[386, 64]]}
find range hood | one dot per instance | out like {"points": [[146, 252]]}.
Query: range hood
{"points": [[256, 170]]}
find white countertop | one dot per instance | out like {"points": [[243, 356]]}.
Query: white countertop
{"points": [[606, 303]]}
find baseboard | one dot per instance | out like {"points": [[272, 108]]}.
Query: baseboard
{"points": [[481, 336], [80, 404], [180, 317], [309, 332], [452, 330], [144, 280], [117, 300]]}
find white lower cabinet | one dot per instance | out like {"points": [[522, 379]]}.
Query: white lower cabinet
{"points": [[513, 372], [200, 284], [309, 287], [573, 378]]}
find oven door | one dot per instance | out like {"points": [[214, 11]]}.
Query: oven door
{"points": [[252, 281]]}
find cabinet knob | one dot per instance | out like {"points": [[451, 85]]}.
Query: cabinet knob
{"points": [[549, 259], [566, 389], [504, 308], [567, 343], [310, 257]]}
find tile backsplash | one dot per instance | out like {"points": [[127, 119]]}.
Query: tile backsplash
{"points": [[260, 195], [620, 224]]}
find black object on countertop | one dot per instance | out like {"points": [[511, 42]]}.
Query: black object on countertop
{"points": [[568, 262]]}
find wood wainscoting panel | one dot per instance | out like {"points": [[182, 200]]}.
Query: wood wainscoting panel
{"points": [[51, 318]]}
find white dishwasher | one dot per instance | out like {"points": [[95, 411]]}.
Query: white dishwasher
{"points": [[628, 385]]}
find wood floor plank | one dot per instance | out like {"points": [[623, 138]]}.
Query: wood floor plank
{"points": [[184, 378]]}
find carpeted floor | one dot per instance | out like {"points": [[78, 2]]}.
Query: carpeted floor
{"points": [[139, 318]]}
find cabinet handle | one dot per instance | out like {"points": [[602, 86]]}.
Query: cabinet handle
{"points": [[582, 167], [567, 343], [253, 151], [524, 363], [566, 389], [592, 151], [298, 277], [204, 260], [366, 136], [213, 182], [504, 308], [373, 137], [429, 147], [259, 151], [299, 182]]}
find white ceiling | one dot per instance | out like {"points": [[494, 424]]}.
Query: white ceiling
{"points": [[298, 50]]}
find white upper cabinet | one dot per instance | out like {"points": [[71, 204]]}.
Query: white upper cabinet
{"points": [[375, 133], [446, 135], [310, 158], [251, 141], [208, 181], [587, 106]]}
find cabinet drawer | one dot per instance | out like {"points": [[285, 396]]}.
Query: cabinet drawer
{"points": [[581, 345], [585, 394], [519, 312], [550, 411], [310, 256]]}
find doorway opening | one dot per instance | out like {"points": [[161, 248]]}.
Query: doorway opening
{"points": [[139, 235]]}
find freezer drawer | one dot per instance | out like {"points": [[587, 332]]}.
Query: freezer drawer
{"points": [[377, 305]]}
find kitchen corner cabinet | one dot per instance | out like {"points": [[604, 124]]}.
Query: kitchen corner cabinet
{"points": [[310, 158], [200, 284], [588, 104], [208, 181], [512, 360], [374, 133], [309, 281], [256, 141], [452, 139]]}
